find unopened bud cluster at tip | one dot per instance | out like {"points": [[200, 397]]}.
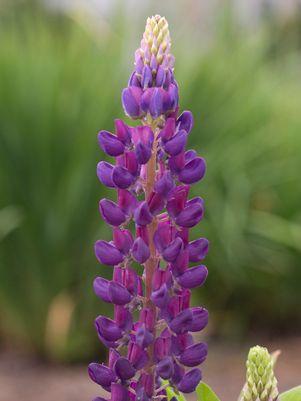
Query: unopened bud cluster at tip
{"points": [[152, 89], [261, 383], [150, 336], [155, 44]]}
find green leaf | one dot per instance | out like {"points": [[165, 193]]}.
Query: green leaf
{"points": [[171, 393], [204, 393], [294, 394]]}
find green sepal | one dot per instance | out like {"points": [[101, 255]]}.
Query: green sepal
{"points": [[294, 394], [205, 393]]}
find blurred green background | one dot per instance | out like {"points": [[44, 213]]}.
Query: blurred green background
{"points": [[61, 74]]}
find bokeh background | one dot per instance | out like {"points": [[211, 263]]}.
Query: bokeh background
{"points": [[63, 65]]}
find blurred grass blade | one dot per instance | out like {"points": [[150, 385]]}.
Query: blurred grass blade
{"points": [[10, 219], [276, 228]]}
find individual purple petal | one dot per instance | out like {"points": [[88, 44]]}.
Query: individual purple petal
{"points": [[156, 103], [146, 381], [99, 399], [142, 214], [130, 162], [176, 144], [123, 317], [160, 76], [144, 337], [131, 98], [193, 277], [154, 65], [177, 200], [191, 215], [119, 392], [173, 96], [198, 249], [101, 286], [118, 294], [134, 80], [111, 212], [190, 380], [101, 374], [104, 174], [146, 99], [160, 297], [107, 253], [122, 132], [199, 319], [176, 163], [143, 152], [179, 372], [181, 342], [180, 265], [137, 356], [194, 355], [165, 184], [124, 369], [140, 251], [165, 368], [162, 347], [113, 356], [127, 201], [182, 322], [131, 280], [156, 203], [122, 178], [193, 171], [185, 121], [163, 236], [168, 129], [107, 328], [147, 316], [171, 253], [139, 63], [161, 277], [146, 79], [110, 143], [190, 155], [108, 343], [142, 133], [123, 239]]}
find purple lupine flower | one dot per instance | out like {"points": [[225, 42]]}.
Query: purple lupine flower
{"points": [[152, 175]]}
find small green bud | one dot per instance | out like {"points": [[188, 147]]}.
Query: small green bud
{"points": [[261, 383]]}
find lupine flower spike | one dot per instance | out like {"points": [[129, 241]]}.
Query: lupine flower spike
{"points": [[261, 383], [150, 337]]}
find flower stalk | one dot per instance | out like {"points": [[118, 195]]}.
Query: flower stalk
{"points": [[150, 337]]}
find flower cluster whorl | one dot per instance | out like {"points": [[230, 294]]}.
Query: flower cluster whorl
{"points": [[149, 338]]}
